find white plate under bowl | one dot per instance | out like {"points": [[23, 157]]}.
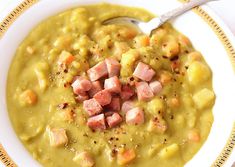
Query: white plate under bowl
{"points": [[207, 39]]}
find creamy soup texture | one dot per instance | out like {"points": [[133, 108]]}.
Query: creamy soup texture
{"points": [[164, 81]]}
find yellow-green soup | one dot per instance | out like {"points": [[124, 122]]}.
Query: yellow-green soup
{"points": [[38, 89]]}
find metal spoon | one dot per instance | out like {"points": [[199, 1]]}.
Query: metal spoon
{"points": [[148, 27]]}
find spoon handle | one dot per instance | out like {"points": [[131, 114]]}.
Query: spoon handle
{"points": [[182, 9]]}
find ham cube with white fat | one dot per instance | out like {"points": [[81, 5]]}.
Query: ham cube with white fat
{"points": [[113, 67], [113, 85], [135, 116], [96, 87], [57, 136], [92, 107], [98, 71], [97, 122], [113, 120], [127, 105], [144, 72], [103, 97], [127, 92], [81, 85], [144, 91], [156, 87], [81, 97], [115, 104]]}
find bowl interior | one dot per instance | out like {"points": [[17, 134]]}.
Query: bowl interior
{"points": [[190, 24]]}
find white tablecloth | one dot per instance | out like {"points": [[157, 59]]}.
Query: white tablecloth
{"points": [[224, 8]]}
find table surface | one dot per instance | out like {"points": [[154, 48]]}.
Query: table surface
{"points": [[223, 8]]}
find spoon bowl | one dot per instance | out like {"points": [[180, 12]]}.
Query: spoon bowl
{"points": [[148, 27]]}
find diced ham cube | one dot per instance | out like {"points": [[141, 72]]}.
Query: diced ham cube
{"points": [[97, 122], [115, 104], [81, 85], [81, 97], [156, 87], [109, 113], [135, 116], [92, 107], [113, 85], [144, 72], [96, 87], [57, 136], [127, 105], [98, 71], [114, 120], [103, 97], [127, 92], [144, 91], [113, 67]]}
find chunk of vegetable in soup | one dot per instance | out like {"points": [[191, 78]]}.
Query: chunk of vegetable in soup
{"points": [[80, 93]]}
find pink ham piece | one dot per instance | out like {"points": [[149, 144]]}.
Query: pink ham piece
{"points": [[113, 85], [109, 113], [135, 116], [103, 97], [144, 91], [92, 107], [97, 122], [81, 97], [127, 92], [57, 136], [98, 71], [113, 67], [95, 88], [156, 87], [127, 105], [115, 104], [81, 85], [114, 120], [144, 72]]}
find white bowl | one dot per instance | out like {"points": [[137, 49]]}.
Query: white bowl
{"points": [[208, 35]]}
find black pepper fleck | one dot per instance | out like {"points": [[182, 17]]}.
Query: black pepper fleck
{"points": [[165, 57], [65, 71], [63, 105], [174, 58]]}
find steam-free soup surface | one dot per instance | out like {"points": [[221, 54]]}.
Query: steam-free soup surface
{"points": [[52, 123]]}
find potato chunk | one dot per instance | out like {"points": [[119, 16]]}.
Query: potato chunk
{"points": [[142, 41], [84, 159], [28, 97], [41, 70], [157, 125], [165, 77], [204, 98], [119, 49], [156, 106], [194, 56], [127, 62], [57, 136], [171, 48], [65, 58], [198, 73], [169, 151]]}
